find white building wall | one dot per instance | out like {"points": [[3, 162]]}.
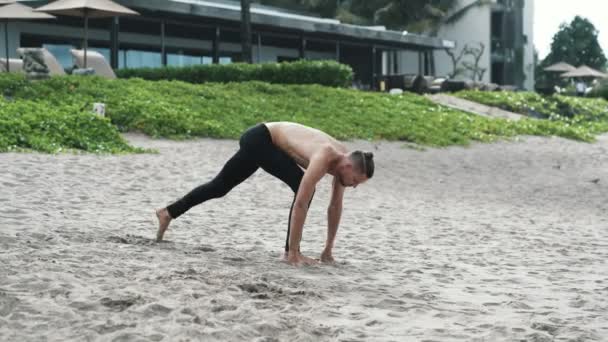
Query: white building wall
{"points": [[472, 29], [529, 48]]}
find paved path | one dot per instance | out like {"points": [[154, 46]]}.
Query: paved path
{"points": [[473, 107]]}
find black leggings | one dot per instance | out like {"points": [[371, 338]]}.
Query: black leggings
{"points": [[257, 150]]}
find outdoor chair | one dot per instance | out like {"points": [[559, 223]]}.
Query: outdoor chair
{"points": [[54, 67], [15, 65], [95, 61]]}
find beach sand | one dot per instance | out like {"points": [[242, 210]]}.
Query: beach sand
{"points": [[493, 242]]}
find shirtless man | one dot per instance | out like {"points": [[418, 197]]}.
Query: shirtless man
{"points": [[283, 149]]}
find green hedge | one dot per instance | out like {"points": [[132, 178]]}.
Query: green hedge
{"points": [[327, 73]]}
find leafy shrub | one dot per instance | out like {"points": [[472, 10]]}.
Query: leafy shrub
{"points": [[46, 127], [601, 90], [588, 112]]}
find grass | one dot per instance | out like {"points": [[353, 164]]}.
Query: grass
{"points": [[53, 114]]}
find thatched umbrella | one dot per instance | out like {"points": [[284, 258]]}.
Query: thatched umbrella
{"points": [[584, 71], [560, 67], [17, 11], [87, 9]]}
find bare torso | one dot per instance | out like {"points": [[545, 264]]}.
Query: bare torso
{"points": [[301, 142]]}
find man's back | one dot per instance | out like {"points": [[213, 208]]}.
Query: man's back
{"points": [[301, 142]]}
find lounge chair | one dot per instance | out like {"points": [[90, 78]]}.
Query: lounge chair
{"points": [[51, 62], [95, 61], [15, 64]]}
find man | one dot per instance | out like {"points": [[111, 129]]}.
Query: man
{"points": [[581, 87], [283, 149]]}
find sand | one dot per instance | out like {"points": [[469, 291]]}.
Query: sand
{"points": [[493, 242]]}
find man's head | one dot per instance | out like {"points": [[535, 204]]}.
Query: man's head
{"points": [[357, 168]]}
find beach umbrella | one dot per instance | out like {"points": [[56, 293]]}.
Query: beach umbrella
{"points": [[584, 71], [560, 67], [86, 9], [17, 11]]}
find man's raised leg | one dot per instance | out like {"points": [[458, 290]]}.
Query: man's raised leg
{"points": [[238, 168]]}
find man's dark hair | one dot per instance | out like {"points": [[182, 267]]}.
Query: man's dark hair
{"points": [[364, 162]]}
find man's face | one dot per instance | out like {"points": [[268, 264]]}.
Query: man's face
{"points": [[349, 177]]}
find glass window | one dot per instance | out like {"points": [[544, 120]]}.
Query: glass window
{"points": [[139, 59], [104, 51], [185, 60], [61, 53]]}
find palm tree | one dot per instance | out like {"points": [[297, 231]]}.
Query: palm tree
{"points": [[246, 30]]}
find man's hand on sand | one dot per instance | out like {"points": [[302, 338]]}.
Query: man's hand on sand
{"points": [[297, 259], [327, 258]]}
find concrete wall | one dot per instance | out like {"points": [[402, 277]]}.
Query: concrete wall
{"points": [[529, 48], [472, 29]]}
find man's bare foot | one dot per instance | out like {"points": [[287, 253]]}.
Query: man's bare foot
{"points": [[297, 259], [163, 223]]}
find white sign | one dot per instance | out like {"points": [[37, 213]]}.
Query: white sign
{"points": [[99, 108]]}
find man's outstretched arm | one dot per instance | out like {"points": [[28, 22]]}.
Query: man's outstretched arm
{"points": [[334, 213], [317, 168]]}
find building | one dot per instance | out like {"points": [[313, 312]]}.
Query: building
{"points": [[505, 28], [187, 32]]}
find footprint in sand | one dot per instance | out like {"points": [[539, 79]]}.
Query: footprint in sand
{"points": [[109, 327], [7, 304], [227, 307], [538, 337], [357, 315], [549, 328], [204, 249], [519, 305], [373, 323], [254, 288], [235, 259], [132, 240], [156, 310], [119, 304], [491, 304]]}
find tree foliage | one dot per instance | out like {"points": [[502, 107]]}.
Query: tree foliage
{"points": [[412, 15], [575, 43]]}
